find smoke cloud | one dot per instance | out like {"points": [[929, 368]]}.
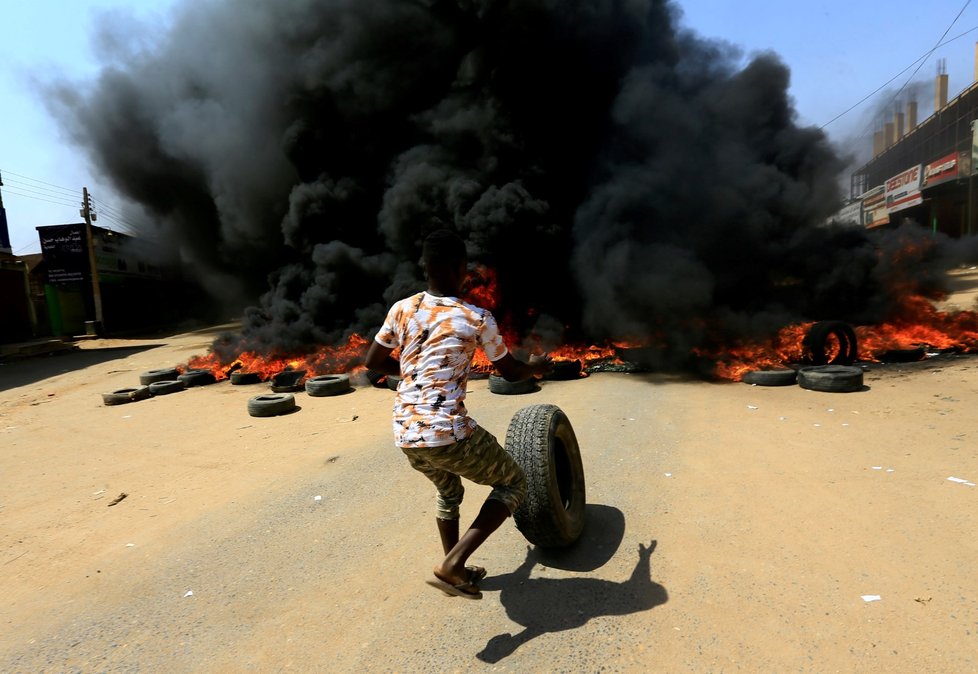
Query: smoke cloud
{"points": [[624, 177]]}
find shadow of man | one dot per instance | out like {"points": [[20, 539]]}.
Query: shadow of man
{"points": [[545, 605]]}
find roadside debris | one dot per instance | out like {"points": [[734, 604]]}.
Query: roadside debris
{"points": [[871, 597], [118, 498], [960, 480]]}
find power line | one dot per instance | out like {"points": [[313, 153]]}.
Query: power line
{"points": [[30, 191], [29, 196], [13, 173], [31, 186], [921, 60]]}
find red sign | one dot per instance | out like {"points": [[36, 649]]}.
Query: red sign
{"points": [[942, 170]]}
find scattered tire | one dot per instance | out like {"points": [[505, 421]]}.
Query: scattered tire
{"points": [[904, 355], [151, 376], [542, 441], [327, 385], [565, 370], [831, 378], [271, 404], [161, 388], [501, 386], [816, 342], [197, 378], [288, 381], [392, 381], [779, 377], [126, 395], [239, 378]]}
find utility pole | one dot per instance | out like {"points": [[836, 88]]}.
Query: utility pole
{"points": [[86, 212]]}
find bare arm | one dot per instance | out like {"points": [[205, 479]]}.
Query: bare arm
{"points": [[379, 359], [516, 370]]}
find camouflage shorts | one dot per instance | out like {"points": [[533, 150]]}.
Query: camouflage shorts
{"points": [[478, 458]]}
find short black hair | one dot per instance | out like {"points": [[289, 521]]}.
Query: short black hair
{"points": [[443, 247]]}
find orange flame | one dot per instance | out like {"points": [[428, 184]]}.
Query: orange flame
{"points": [[347, 357]]}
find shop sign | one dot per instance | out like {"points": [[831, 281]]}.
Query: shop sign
{"points": [[941, 171], [65, 252], [850, 215], [903, 189], [874, 208]]}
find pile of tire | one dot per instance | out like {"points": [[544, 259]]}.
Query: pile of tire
{"points": [[829, 370]]}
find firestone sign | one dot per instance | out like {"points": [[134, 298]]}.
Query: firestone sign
{"points": [[903, 189]]}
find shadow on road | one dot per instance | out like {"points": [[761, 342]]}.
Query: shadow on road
{"points": [[543, 605], [25, 371]]}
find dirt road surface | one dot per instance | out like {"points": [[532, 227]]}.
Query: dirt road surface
{"points": [[731, 528]]}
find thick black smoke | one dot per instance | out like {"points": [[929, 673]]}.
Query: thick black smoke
{"points": [[625, 178]]}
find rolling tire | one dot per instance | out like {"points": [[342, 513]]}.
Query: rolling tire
{"points": [[126, 395], [151, 376], [161, 388], [197, 378], [271, 404], [831, 378], [239, 378], [501, 386], [540, 438], [781, 377], [392, 381], [814, 343], [327, 385]]}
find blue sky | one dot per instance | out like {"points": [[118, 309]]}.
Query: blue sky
{"points": [[838, 52]]}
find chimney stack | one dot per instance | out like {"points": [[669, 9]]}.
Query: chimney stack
{"points": [[888, 134], [911, 116], [898, 124], [976, 61], [940, 92], [878, 146]]}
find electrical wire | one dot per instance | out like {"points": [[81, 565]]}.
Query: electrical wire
{"points": [[36, 198], [919, 63], [4, 171]]}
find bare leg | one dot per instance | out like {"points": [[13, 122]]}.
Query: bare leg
{"points": [[448, 531], [491, 516]]}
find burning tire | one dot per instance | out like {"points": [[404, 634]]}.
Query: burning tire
{"points": [[501, 386], [161, 388], [288, 381], [904, 355], [817, 341], [152, 376], [126, 395], [197, 378], [831, 378], [781, 377], [271, 404], [542, 441], [239, 378], [565, 370], [392, 381], [327, 385]]}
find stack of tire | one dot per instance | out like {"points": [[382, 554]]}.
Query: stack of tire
{"points": [[159, 382], [828, 371]]}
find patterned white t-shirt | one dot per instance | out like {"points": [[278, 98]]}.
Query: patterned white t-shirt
{"points": [[438, 337]]}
